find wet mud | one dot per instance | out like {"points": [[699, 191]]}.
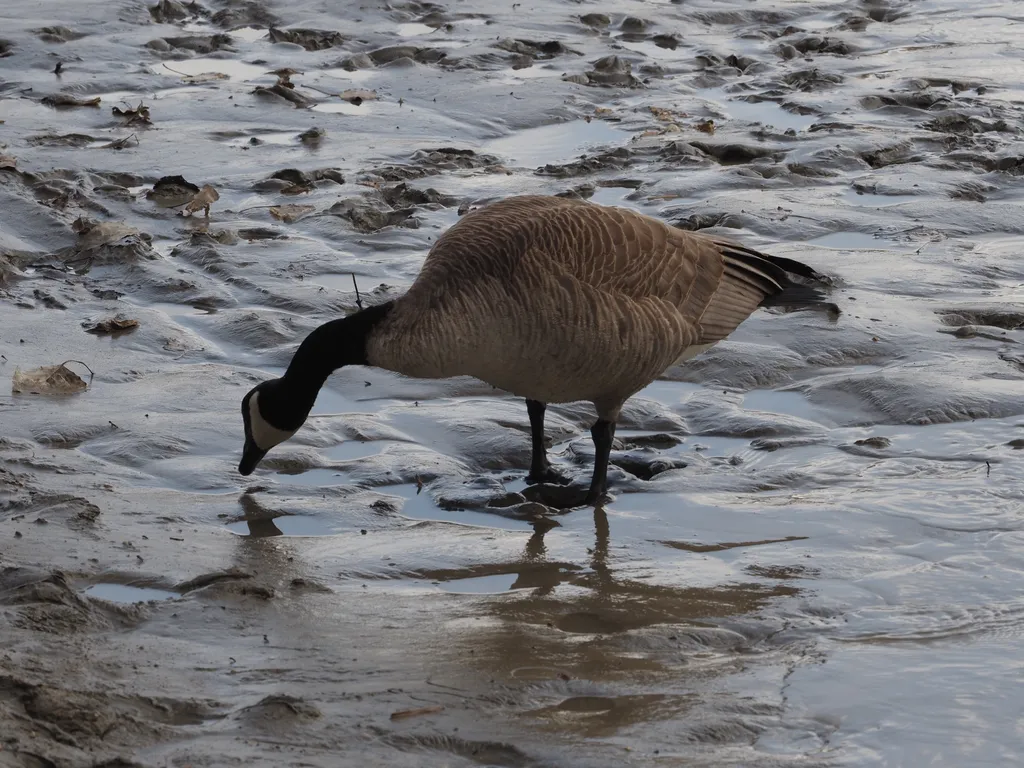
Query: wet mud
{"points": [[812, 553]]}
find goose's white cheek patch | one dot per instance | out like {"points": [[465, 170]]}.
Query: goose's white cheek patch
{"points": [[264, 435]]}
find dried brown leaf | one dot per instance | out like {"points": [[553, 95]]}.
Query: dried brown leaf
{"points": [[50, 380], [113, 325], [291, 212], [7, 161], [133, 116], [203, 199], [707, 126]]}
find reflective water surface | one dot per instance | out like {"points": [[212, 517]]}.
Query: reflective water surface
{"points": [[812, 556]]}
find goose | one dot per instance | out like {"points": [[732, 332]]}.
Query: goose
{"points": [[551, 299]]}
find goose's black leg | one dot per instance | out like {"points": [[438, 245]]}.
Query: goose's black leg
{"points": [[541, 470], [603, 433]]}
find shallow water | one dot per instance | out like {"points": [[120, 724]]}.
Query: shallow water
{"points": [[555, 143], [812, 556]]}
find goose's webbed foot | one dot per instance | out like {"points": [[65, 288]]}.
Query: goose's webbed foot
{"points": [[546, 475], [558, 496]]}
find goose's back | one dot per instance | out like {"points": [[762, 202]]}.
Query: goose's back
{"points": [[535, 238]]}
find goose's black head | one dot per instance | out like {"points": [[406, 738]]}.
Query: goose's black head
{"points": [[270, 414]]}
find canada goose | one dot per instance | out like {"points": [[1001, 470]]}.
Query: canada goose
{"points": [[551, 299]]}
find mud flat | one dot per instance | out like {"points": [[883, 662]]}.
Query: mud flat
{"points": [[813, 553]]}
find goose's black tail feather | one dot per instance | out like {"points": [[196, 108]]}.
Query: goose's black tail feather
{"points": [[787, 284]]}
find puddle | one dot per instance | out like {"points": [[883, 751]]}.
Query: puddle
{"points": [[851, 241], [558, 143], [871, 200], [420, 506], [122, 593], [480, 585], [414, 29], [771, 401], [319, 478], [528, 73], [235, 70], [289, 525], [764, 112], [670, 393], [614, 196]]}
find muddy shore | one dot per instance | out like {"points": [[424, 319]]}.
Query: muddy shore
{"points": [[813, 554]]}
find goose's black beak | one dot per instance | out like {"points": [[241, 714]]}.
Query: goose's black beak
{"points": [[252, 454]]}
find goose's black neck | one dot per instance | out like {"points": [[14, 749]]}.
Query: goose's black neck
{"points": [[329, 347]]}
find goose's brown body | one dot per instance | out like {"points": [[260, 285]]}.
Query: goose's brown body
{"points": [[559, 300]]}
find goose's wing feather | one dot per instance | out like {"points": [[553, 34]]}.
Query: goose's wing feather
{"points": [[712, 283]]}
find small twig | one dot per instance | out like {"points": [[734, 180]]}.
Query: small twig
{"points": [[251, 208], [122, 143], [359, 299], [92, 373], [320, 90], [175, 71], [988, 468]]}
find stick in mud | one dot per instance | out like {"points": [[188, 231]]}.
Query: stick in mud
{"points": [[359, 299]]}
